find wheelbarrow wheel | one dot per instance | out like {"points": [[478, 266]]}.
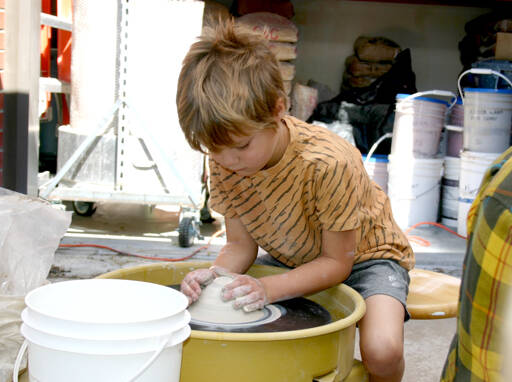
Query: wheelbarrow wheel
{"points": [[186, 232], [84, 208]]}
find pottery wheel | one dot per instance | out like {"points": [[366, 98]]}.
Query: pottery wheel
{"points": [[210, 313]]}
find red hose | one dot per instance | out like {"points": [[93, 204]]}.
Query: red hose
{"points": [[218, 233], [424, 242], [413, 238]]}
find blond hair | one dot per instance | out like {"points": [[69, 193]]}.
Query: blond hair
{"points": [[230, 84]]}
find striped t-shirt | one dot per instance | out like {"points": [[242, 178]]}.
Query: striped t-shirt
{"points": [[319, 184]]}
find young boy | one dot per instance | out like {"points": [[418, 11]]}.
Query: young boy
{"points": [[296, 190]]}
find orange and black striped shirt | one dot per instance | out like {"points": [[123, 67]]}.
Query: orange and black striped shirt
{"points": [[319, 184]]}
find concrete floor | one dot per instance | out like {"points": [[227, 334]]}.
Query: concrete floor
{"points": [[152, 232]]}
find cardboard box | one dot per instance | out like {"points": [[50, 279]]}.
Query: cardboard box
{"points": [[504, 46]]}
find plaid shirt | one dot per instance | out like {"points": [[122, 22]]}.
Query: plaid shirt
{"points": [[476, 350]]}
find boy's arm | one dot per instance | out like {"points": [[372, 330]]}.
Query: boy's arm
{"points": [[240, 250], [331, 268], [236, 256]]}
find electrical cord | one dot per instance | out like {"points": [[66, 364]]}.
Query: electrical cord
{"points": [[423, 242], [414, 238], [216, 234]]}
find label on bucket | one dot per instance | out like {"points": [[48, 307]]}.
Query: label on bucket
{"points": [[487, 120], [488, 114], [469, 189], [418, 135]]}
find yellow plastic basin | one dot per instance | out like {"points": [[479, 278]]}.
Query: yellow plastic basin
{"points": [[299, 355]]}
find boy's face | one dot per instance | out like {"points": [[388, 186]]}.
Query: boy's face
{"points": [[252, 153]]}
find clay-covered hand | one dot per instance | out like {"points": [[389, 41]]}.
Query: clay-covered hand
{"points": [[248, 293], [193, 281]]}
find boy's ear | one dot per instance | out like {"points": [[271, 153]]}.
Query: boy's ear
{"points": [[280, 108]]}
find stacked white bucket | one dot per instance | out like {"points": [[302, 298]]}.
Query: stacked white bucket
{"points": [[487, 128], [450, 180], [377, 168], [414, 171], [450, 192], [104, 330]]}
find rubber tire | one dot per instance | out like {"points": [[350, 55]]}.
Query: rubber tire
{"points": [[206, 216], [84, 208], [186, 232]]}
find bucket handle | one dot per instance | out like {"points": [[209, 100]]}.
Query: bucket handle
{"points": [[148, 363], [441, 93], [484, 71], [374, 146], [425, 192], [17, 363]]}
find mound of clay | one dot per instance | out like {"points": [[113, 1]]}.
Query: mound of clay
{"points": [[211, 308]]}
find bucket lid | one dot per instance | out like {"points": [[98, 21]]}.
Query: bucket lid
{"points": [[99, 332], [486, 90], [106, 301], [479, 155], [406, 162], [104, 347], [381, 158], [402, 96]]}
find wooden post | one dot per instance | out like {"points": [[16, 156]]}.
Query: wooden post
{"points": [[21, 95]]}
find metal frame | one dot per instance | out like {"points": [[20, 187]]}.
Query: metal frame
{"points": [[124, 112], [49, 189]]}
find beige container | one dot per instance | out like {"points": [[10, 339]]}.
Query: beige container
{"points": [[287, 87], [287, 70], [272, 26], [283, 51], [376, 49], [304, 100]]}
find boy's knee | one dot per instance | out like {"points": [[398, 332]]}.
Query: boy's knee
{"points": [[383, 357]]}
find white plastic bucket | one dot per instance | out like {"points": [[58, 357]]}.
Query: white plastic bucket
{"points": [[487, 119], [451, 168], [105, 330], [377, 169], [457, 114], [418, 124], [450, 188], [464, 207], [449, 207], [487, 115], [450, 192], [450, 223], [414, 189], [454, 140], [472, 169]]}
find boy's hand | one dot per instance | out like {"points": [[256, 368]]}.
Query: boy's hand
{"points": [[248, 293], [193, 281]]}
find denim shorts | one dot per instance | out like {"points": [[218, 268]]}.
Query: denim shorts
{"points": [[379, 276]]}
